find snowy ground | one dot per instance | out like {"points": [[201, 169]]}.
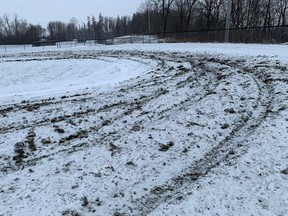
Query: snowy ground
{"points": [[159, 129]]}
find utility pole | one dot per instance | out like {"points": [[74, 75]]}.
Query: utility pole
{"points": [[228, 21], [149, 21]]}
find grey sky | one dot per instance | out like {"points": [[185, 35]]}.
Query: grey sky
{"points": [[43, 11]]}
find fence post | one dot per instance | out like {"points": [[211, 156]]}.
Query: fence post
{"points": [[270, 36], [228, 21]]}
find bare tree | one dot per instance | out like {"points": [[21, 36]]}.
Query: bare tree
{"points": [[239, 14], [185, 9], [166, 6], [154, 8], [56, 30], [189, 8], [281, 8], [211, 10], [267, 13], [180, 7], [19, 28], [253, 18], [1, 27], [71, 29], [7, 25], [34, 33]]}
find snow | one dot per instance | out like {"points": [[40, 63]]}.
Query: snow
{"points": [[144, 129], [53, 76]]}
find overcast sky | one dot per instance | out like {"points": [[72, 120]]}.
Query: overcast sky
{"points": [[43, 11]]}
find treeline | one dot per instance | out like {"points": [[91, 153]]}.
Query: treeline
{"points": [[190, 15], [160, 16], [94, 28], [19, 31], [154, 16]]}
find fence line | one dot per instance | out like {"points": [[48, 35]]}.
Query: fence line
{"points": [[270, 34], [19, 47]]}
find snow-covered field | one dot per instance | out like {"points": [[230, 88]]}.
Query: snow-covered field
{"points": [[155, 129]]}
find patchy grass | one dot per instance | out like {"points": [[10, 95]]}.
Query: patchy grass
{"points": [[31, 140], [78, 135], [166, 147], [285, 171]]}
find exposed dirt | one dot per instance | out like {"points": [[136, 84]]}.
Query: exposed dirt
{"points": [[195, 111]]}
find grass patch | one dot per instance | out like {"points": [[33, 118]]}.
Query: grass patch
{"points": [[285, 171], [224, 126], [31, 141], [19, 150], [46, 141], [80, 134], [114, 149], [166, 147], [58, 129], [230, 110]]}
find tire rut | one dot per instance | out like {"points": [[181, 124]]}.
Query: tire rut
{"points": [[171, 191]]}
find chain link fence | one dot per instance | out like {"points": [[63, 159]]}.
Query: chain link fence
{"points": [[268, 35]]}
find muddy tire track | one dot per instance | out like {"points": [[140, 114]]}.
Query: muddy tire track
{"points": [[172, 191]]}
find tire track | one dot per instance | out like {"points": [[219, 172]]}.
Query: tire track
{"points": [[172, 190]]}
